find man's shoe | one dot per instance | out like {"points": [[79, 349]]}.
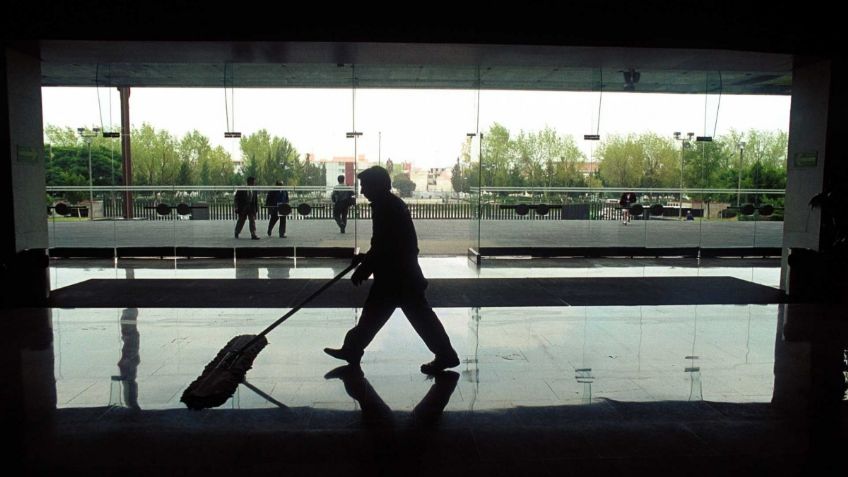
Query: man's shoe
{"points": [[351, 357], [439, 364], [254, 237], [235, 235], [348, 371]]}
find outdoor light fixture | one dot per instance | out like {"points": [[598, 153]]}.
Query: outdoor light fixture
{"points": [[87, 136], [354, 134], [684, 144]]}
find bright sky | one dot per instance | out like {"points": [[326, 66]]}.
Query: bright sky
{"points": [[424, 126]]}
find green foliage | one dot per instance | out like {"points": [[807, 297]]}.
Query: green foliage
{"points": [[531, 159], [404, 185], [459, 180], [68, 165], [270, 158]]}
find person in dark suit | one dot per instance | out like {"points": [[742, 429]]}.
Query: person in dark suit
{"points": [[342, 198], [398, 281], [246, 207], [273, 200]]}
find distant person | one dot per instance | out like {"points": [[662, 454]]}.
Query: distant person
{"points": [[273, 201], [689, 215], [343, 198], [398, 281], [246, 207], [627, 200]]}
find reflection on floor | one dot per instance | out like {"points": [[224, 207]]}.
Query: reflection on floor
{"points": [[64, 272], [697, 390]]}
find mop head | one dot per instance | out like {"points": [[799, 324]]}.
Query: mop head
{"points": [[221, 377]]}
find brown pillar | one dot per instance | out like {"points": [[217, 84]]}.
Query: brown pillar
{"points": [[126, 151]]}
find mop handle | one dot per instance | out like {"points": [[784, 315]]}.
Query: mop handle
{"points": [[297, 308]]}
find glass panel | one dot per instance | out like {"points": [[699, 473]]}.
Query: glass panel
{"points": [[420, 135], [676, 176]]}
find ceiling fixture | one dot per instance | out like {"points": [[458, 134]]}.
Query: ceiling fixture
{"points": [[631, 77]]}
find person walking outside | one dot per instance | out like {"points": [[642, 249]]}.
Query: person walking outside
{"points": [[343, 198], [246, 207], [273, 201]]}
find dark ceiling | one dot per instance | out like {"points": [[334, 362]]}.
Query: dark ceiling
{"points": [[717, 46], [395, 65]]}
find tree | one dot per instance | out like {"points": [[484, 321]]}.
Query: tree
{"points": [[620, 162], [194, 151], [499, 160], [404, 185], [270, 158], [64, 164], [458, 181], [155, 157]]}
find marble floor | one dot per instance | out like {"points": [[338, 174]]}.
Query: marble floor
{"points": [[64, 272], [659, 390]]}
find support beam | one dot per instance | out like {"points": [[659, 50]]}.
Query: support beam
{"points": [[126, 150]]}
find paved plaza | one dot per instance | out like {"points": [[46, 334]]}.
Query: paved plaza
{"points": [[435, 236]]}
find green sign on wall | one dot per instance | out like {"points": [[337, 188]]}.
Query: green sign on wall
{"points": [[28, 154], [806, 159]]}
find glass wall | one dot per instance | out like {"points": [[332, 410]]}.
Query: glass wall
{"points": [[478, 167]]}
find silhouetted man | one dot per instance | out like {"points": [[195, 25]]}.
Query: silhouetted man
{"points": [[398, 281], [246, 207], [273, 201], [343, 199]]}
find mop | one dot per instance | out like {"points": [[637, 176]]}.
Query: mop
{"points": [[222, 375]]}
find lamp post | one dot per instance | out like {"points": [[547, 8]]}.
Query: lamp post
{"points": [[87, 136], [684, 143], [739, 180]]}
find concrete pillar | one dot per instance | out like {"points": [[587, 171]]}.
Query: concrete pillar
{"points": [[126, 150], [23, 242], [808, 121], [816, 164]]}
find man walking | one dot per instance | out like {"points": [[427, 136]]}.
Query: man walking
{"points": [[398, 281], [273, 201], [246, 207], [343, 199]]}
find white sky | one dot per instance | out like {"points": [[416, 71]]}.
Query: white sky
{"points": [[426, 127]]}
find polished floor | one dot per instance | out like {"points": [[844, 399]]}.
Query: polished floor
{"points": [[660, 390], [64, 272]]}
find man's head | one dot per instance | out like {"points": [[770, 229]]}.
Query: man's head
{"points": [[279, 183], [375, 182], [251, 180], [341, 179]]}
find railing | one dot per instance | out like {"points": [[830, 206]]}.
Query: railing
{"points": [[495, 203]]}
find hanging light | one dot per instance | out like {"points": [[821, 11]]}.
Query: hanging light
{"points": [[597, 136], [229, 133]]}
